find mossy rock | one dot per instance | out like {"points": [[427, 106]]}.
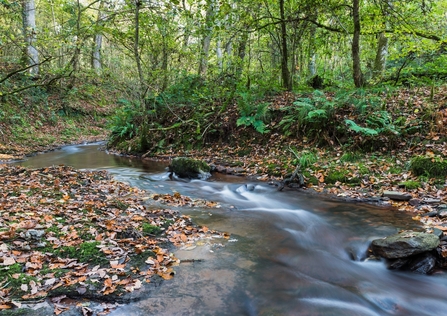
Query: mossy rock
{"points": [[190, 168], [429, 166]]}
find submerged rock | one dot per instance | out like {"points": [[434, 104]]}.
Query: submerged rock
{"points": [[404, 244], [190, 168]]}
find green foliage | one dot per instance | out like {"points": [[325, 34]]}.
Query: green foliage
{"points": [[359, 129], [410, 184], [311, 116], [124, 122], [306, 160], [363, 101], [349, 157], [149, 229], [434, 167], [252, 113], [187, 89], [379, 123]]}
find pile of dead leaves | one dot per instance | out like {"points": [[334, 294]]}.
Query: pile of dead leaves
{"points": [[64, 230]]}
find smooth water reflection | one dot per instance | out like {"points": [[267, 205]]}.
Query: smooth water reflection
{"points": [[289, 253]]}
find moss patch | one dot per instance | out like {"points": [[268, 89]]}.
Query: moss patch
{"points": [[85, 252], [429, 166], [149, 229]]}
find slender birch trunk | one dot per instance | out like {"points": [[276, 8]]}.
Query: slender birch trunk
{"points": [[29, 31]]}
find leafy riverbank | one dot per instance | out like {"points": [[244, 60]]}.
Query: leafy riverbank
{"points": [[69, 233], [353, 145]]}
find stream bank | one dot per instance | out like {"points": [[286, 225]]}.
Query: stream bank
{"points": [[287, 252], [67, 233]]}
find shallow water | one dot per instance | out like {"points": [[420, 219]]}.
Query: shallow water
{"points": [[288, 254]]}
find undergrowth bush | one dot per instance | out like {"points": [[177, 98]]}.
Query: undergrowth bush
{"points": [[312, 116], [251, 112], [124, 122]]}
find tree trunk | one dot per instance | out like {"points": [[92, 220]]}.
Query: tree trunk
{"points": [[136, 50], [357, 70], [241, 52], [96, 58], [285, 74], [219, 54], [381, 55], [206, 41], [164, 64], [29, 31], [77, 49], [312, 63]]}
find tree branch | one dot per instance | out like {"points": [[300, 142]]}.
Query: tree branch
{"points": [[22, 69]]}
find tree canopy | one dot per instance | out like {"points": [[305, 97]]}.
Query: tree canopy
{"points": [[279, 44]]}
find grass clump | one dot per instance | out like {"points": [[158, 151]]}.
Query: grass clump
{"points": [[349, 157], [307, 160], [410, 184]]}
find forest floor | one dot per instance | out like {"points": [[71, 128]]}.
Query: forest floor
{"points": [[40, 230]]}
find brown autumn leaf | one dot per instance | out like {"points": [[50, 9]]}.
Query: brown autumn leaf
{"points": [[58, 308], [108, 282], [5, 306], [35, 295], [7, 261]]}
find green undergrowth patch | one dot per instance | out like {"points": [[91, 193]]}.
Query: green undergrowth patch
{"points": [[149, 229], [350, 157], [13, 276], [311, 179], [434, 167], [410, 184], [343, 176], [87, 252]]}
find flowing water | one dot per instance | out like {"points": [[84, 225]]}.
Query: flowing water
{"points": [[288, 254]]}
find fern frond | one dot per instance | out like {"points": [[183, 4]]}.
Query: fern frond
{"points": [[359, 129]]}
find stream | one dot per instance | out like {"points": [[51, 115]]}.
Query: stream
{"points": [[289, 253]]}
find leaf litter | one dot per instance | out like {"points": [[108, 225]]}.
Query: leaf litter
{"points": [[65, 230]]}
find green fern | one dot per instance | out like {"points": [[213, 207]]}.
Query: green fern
{"points": [[359, 129], [252, 113]]}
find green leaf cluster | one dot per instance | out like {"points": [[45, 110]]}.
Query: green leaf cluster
{"points": [[252, 113], [308, 115]]}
